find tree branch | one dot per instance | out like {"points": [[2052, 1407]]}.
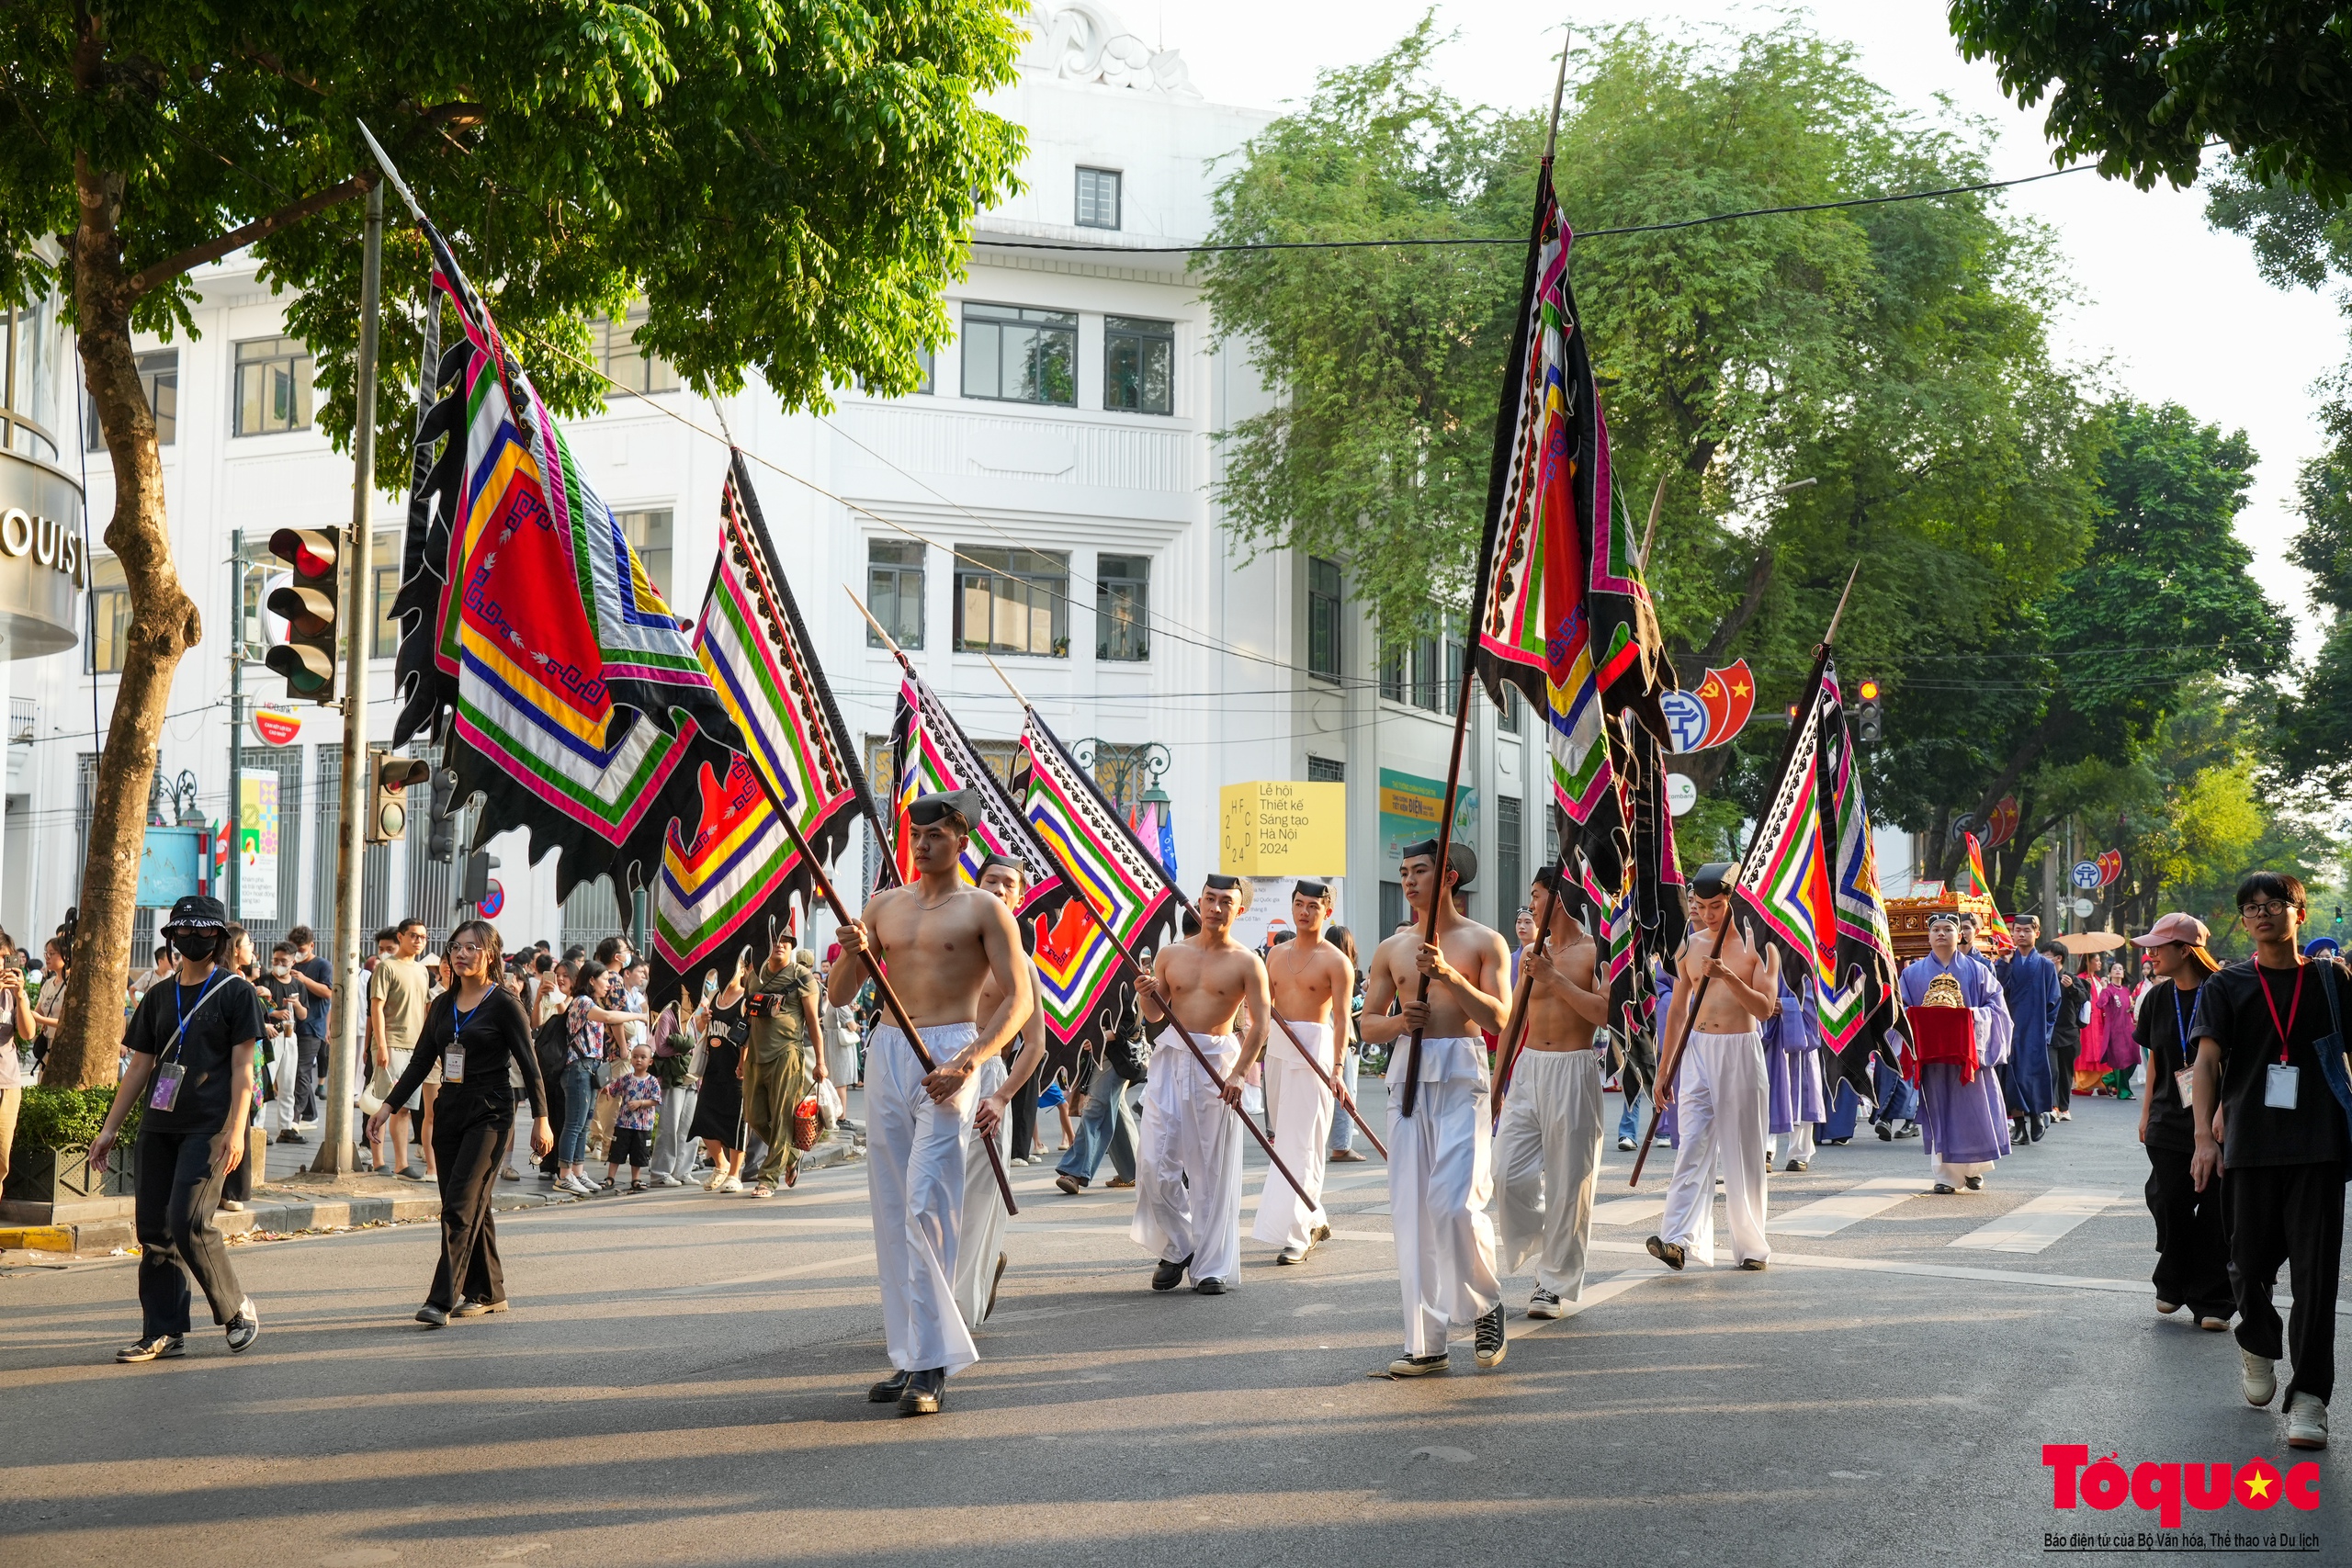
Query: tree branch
{"points": [[149, 278]]}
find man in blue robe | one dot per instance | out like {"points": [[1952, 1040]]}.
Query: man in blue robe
{"points": [[1793, 1077], [2030, 984], [1961, 1125]]}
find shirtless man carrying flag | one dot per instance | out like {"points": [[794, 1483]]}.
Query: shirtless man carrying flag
{"points": [[940, 941], [1312, 983]]}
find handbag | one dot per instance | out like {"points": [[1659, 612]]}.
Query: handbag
{"points": [[804, 1125]]}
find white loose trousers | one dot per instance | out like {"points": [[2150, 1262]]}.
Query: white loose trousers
{"points": [[1188, 1161], [1549, 1149], [914, 1183], [1721, 1104], [1302, 1110], [1441, 1177], [984, 1215]]}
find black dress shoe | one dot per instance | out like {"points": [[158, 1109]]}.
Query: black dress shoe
{"points": [[2039, 1125], [1885, 1133], [1945, 1190], [1212, 1286], [1667, 1252], [888, 1391], [1976, 1184], [927, 1391], [1168, 1276]]}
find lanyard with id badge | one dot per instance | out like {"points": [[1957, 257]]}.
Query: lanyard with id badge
{"points": [[2278, 1089], [453, 1056], [2186, 1077], [165, 1092]]}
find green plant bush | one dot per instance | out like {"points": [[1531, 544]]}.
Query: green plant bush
{"points": [[68, 1117]]}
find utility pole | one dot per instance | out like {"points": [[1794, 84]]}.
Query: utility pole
{"points": [[336, 1153], [236, 722]]}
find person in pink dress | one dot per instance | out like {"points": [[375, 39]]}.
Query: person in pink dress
{"points": [[2091, 1062], [2114, 1006]]}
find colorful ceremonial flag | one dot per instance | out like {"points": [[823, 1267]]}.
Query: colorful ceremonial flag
{"points": [[930, 754], [730, 877], [1812, 881], [569, 694], [1979, 883], [1083, 978]]}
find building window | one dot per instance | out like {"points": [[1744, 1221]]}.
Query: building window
{"points": [[159, 377], [1323, 770], [1393, 908], [384, 566], [273, 386], [1511, 851], [1011, 602], [648, 534], [1123, 608], [1421, 670], [1323, 618], [625, 363], [894, 590], [109, 616], [1019, 355], [1138, 364], [1098, 198], [926, 360]]}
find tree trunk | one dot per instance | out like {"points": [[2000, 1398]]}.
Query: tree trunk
{"points": [[164, 627]]}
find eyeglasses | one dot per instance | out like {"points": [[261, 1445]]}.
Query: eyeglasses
{"points": [[465, 948], [2265, 912]]}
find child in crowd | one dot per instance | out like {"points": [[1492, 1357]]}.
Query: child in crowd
{"points": [[638, 1093]]}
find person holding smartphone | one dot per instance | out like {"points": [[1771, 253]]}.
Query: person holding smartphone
{"points": [[191, 1046]]}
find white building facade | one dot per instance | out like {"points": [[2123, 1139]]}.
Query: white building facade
{"points": [[1049, 501]]}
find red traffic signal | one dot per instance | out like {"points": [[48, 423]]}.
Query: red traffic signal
{"points": [[309, 606]]}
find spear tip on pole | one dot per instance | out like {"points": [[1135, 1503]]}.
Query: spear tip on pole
{"points": [[1831, 634]]}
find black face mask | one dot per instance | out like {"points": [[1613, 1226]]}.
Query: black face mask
{"points": [[196, 946]]}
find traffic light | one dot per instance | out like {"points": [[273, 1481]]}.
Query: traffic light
{"points": [[309, 606], [1868, 715], [441, 835], [388, 810], [473, 879]]}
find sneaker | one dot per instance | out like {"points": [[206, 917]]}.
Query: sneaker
{"points": [[661, 1180], [2306, 1422], [1418, 1366], [1291, 1255], [1493, 1343], [244, 1328], [232, 1206], [1885, 1133], [1908, 1129], [2165, 1307], [1625, 1145], [510, 1175], [1667, 1252], [162, 1348], [1543, 1304], [476, 1309], [1018, 1159], [2260, 1378], [2214, 1322], [1069, 1184], [290, 1136], [1117, 1182]]}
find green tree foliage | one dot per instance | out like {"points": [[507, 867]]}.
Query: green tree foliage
{"points": [[787, 183], [2144, 87]]}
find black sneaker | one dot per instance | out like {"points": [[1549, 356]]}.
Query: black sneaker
{"points": [[1168, 1276], [1543, 1304], [162, 1348], [925, 1392], [888, 1391], [1666, 1252], [1417, 1366], [1492, 1342], [1885, 1133], [244, 1328]]}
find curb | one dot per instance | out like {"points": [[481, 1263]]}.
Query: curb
{"points": [[37, 1238]]}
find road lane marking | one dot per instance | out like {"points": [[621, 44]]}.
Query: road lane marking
{"points": [[2032, 1226], [1827, 1216], [1628, 1211]]}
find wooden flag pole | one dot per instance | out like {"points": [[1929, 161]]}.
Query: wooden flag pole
{"points": [[1103, 925]]}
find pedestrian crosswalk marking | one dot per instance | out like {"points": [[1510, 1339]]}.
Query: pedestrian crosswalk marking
{"points": [[1830, 1216], [1627, 1210], [2032, 1226]]}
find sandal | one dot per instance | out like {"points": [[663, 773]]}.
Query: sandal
{"points": [[637, 1187], [792, 1174]]}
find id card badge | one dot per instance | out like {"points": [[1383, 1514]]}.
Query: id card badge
{"points": [[2182, 1080], [452, 1065], [2279, 1092], [166, 1091]]}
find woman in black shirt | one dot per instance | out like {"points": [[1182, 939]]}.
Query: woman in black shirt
{"points": [[2192, 1244], [474, 1032]]}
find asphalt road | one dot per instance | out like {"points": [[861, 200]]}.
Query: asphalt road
{"points": [[683, 1381]]}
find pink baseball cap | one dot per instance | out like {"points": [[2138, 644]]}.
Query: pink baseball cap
{"points": [[2180, 927]]}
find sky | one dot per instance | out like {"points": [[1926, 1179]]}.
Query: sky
{"points": [[2166, 309]]}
